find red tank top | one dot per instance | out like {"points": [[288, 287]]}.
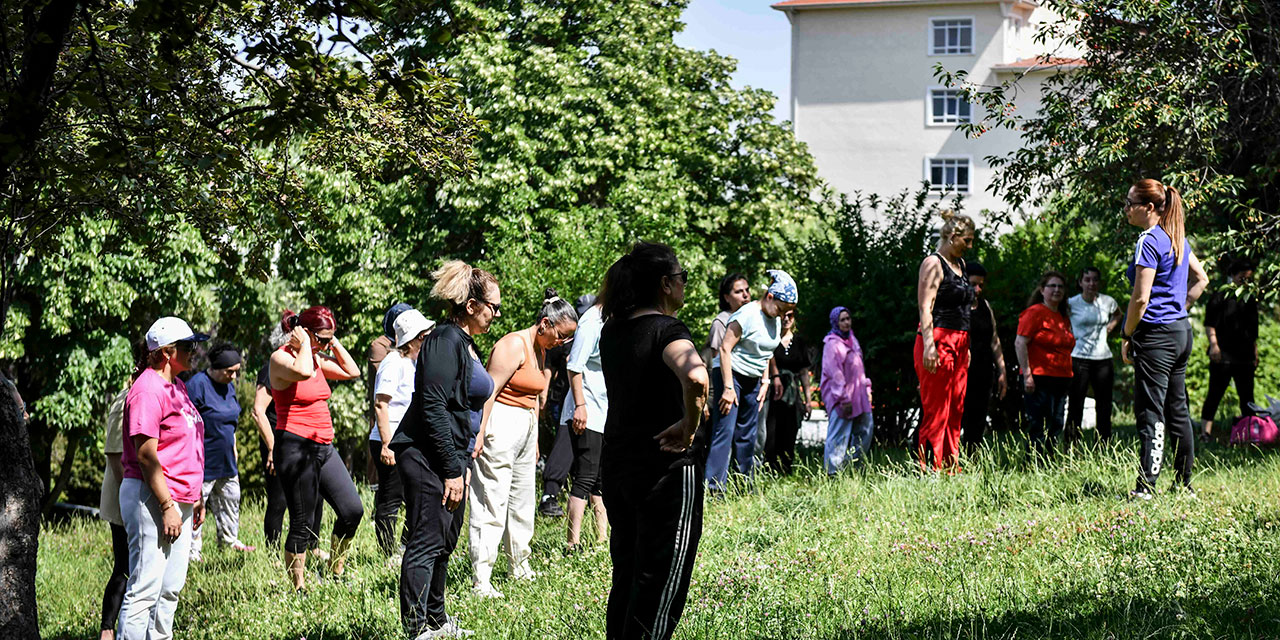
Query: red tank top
{"points": [[302, 408]]}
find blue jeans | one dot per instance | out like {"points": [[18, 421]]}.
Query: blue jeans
{"points": [[733, 432], [847, 440]]}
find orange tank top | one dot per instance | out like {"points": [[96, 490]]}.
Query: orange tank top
{"points": [[302, 408], [526, 383]]}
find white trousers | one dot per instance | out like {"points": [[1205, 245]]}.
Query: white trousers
{"points": [[503, 494], [157, 568], [222, 506]]}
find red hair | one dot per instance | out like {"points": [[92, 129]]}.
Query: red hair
{"points": [[316, 318]]}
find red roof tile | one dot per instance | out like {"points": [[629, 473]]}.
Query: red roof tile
{"points": [[1039, 62]]}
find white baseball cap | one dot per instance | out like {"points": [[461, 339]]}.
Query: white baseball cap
{"points": [[409, 324], [168, 330]]}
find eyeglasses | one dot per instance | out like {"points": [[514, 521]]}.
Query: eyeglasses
{"points": [[561, 339], [789, 315], [1129, 203], [682, 276], [324, 342], [186, 346], [495, 306]]}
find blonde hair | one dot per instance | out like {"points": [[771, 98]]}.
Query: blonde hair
{"points": [[457, 282], [953, 223]]}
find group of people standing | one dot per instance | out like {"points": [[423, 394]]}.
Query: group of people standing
{"points": [[646, 422], [1062, 345]]}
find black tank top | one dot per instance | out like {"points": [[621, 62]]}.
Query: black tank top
{"points": [[951, 305], [980, 337]]}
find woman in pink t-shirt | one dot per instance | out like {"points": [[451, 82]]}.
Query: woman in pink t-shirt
{"points": [[160, 496]]}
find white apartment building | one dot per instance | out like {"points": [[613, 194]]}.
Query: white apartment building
{"points": [[865, 100]]}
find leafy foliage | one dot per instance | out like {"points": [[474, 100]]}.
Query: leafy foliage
{"points": [[1180, 91]]}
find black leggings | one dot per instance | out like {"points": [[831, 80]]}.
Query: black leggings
{"points": [[113, 595], [386, 501], [1222, 373], [273, 522], [587, 449], [559, 459], [310, 471], [1100, 374]]}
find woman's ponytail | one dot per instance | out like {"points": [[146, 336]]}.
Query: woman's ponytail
{"points": [[288, 321], [1173, 220]]}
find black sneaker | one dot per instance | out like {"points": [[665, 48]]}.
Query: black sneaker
{"points": [[550, 508]]}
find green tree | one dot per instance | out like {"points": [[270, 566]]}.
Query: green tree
{"points": [[1180, 91], [605, 131], [175, 121]]}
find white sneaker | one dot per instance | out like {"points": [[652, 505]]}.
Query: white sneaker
{"points": [[487, 591], [449, 629]]}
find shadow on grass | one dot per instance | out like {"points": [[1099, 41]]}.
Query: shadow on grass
{"points": [[1245, 608]]}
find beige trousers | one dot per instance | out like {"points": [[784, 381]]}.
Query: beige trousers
{"points": [[503, 493]]}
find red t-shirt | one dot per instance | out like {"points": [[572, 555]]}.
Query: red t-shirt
{"points": [[302, 408], [1049, 352]]}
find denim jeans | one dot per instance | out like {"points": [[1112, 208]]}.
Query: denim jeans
{"points": [[847, 440], [734, 432]]}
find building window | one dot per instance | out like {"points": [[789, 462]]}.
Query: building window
{"points": [[949, 174], [948, 106], [951, 36]]}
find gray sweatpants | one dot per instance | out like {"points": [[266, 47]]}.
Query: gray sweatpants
{"points": [[222, 506], [157, 568]]}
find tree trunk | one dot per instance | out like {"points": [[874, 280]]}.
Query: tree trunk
{"points": [[64, 475], [22, 125], [19, 525]]}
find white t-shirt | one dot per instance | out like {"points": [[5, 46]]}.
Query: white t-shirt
{"points": [[760, 336], [1089, 323], [584, 358], [395, 379]]}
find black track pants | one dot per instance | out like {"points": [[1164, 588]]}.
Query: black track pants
{"points": [[432, 537], [1160, 354], [656, 516]]}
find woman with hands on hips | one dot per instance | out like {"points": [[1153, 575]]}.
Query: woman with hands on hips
{"points": [[653, 450]]}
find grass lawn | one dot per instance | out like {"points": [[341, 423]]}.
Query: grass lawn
{"points": [[1004, 550]]}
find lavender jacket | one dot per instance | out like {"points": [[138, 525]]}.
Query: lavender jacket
{"points": [[845, 387]]}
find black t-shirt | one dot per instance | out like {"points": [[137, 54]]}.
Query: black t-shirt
{"points": [[1236, 323], [264, 380], [795, 358], [557, 360], [645, 396], [980, 329]]}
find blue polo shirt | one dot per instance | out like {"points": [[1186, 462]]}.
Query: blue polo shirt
{"points": [[220, 409], [1169, 291]]}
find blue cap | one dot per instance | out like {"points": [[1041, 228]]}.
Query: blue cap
{"points": [[388, 320]]}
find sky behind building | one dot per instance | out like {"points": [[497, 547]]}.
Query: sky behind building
{"points": [[758, 37]]}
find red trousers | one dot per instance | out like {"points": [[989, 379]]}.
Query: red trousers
{"points": [[942, 398]]}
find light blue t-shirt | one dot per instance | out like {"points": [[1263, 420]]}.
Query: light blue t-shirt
{"points": [[760, 336], [584, 358]]}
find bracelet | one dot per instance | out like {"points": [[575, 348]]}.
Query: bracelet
{"points": [[165, 507]]}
